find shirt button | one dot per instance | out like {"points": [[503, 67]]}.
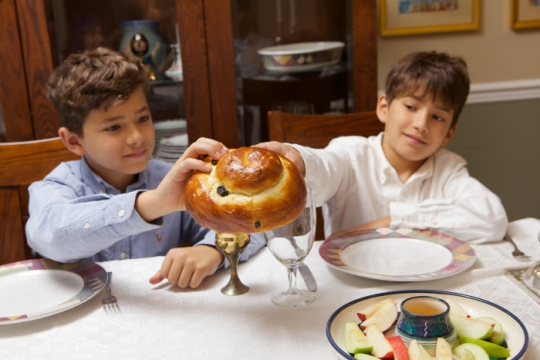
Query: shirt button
{"points": [[87, 225], [121, 213], [122, 256]]}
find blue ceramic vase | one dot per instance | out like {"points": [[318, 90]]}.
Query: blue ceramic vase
{"points": [[140, 40]]}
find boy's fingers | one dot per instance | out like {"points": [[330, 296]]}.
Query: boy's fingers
{"points": [[156, 279]]}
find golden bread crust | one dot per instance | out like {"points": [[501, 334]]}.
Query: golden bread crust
{"points": [[248, 190]]}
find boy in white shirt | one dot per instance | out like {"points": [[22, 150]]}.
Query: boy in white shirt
{"points": [[404, 177]]}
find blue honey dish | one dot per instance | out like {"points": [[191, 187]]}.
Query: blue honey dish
{"points": [[425, 318]]}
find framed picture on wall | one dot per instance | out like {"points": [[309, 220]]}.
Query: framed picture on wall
{"points": [[525, 14], [411, 17]]}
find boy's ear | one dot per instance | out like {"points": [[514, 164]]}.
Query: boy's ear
{"points": [[71, 141], [449, 135], [382, 108]]}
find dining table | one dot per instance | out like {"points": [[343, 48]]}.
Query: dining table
{"points": [[165, 321]]}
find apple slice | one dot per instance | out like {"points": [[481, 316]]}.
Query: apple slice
{"points": [[384, 317], [477, 351], [367, 312], [400, 350], [443, 350], [471, 328], [455, 308], [354, 339], [418, 352], [497, 336], [466, 355], [361, 356], [381, 347], [493, 350]]}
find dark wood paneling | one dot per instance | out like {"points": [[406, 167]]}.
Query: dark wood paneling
{"points": [[221, 71], [11, 229], [195, 68], [13, 90], [364, 39], [39, 65]]}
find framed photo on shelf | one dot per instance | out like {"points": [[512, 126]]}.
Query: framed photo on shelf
{"points": [[412, 17], [525, 14]]}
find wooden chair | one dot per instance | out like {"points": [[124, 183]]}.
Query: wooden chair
{"points": [[22, 163], [316, 131]]}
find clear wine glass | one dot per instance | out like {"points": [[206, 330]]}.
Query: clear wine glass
{"points": [[290, 244]]}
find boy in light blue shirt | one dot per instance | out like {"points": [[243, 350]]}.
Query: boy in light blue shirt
{"points": [[117, 202]]}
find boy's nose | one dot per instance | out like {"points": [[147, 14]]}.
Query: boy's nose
{"points": [[135, 135], [421, 121]]}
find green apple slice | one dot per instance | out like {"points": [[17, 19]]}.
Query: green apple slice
{"points": [[354, 339], [466, 355], [497, 337], [477, 351], [418, 352], [471, 328], [361, 356], [443, 350], [493, 350]]}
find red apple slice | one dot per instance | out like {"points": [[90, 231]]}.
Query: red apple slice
{"points": [[381, 347], [384, 317], [400, 350], [367, 312]]}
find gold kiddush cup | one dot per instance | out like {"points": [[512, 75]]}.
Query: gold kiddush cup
{"points": [[232, 245]]}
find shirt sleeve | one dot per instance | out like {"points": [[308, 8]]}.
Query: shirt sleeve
{"points": [[325, 170], [65, 225], [464, 209]]}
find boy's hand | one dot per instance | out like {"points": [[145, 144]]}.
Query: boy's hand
{"points": [[169, 195], [188, 266], [287, 151]]}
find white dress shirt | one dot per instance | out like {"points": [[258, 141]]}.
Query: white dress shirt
{"points": [[357, 184]]}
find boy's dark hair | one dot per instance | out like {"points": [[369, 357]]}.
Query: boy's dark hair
{"points": [[438, 74], [95, 79]]}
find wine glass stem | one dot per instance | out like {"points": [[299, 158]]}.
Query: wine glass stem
{"points": [[292, 279]]}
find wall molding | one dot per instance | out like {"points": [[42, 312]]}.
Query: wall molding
{"points": [[504, 91]]}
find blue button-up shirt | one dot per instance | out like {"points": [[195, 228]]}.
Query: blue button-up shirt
{"points": [[75, 214]]}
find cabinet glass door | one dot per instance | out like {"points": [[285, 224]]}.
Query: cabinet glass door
{"points": [[290, 55], [146, 30]]}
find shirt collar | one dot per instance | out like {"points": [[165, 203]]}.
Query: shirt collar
{"points": [[96, 182], [385, 170]]}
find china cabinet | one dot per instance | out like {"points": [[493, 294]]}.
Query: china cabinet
{"points": [[218, 94]]}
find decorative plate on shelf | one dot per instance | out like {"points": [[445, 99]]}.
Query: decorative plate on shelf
{"points": [[34, 289], [398, 254], [299, 57]]}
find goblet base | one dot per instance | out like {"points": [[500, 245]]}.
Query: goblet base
{"points": [[293, 298]]}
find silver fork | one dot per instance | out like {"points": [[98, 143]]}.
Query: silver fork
{"points": [[109, 302], [518, 254]]}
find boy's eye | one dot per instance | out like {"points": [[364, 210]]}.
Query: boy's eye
{"points": [[113, 128], [410, 107], [144, 118], [438, 118]]}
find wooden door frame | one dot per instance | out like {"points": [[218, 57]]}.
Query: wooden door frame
{"points": [[13, 84]]}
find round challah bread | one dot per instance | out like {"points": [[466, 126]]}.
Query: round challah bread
{"points": [[248, 190]]}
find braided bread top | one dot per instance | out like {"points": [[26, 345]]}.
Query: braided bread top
{"points": [[248, 190]]}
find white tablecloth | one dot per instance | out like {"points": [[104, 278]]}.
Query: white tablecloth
{"points": [[166, 322]]}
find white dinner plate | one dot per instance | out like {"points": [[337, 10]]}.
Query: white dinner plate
{"points": [[515, 333], [34, 289], [398, 254]]}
